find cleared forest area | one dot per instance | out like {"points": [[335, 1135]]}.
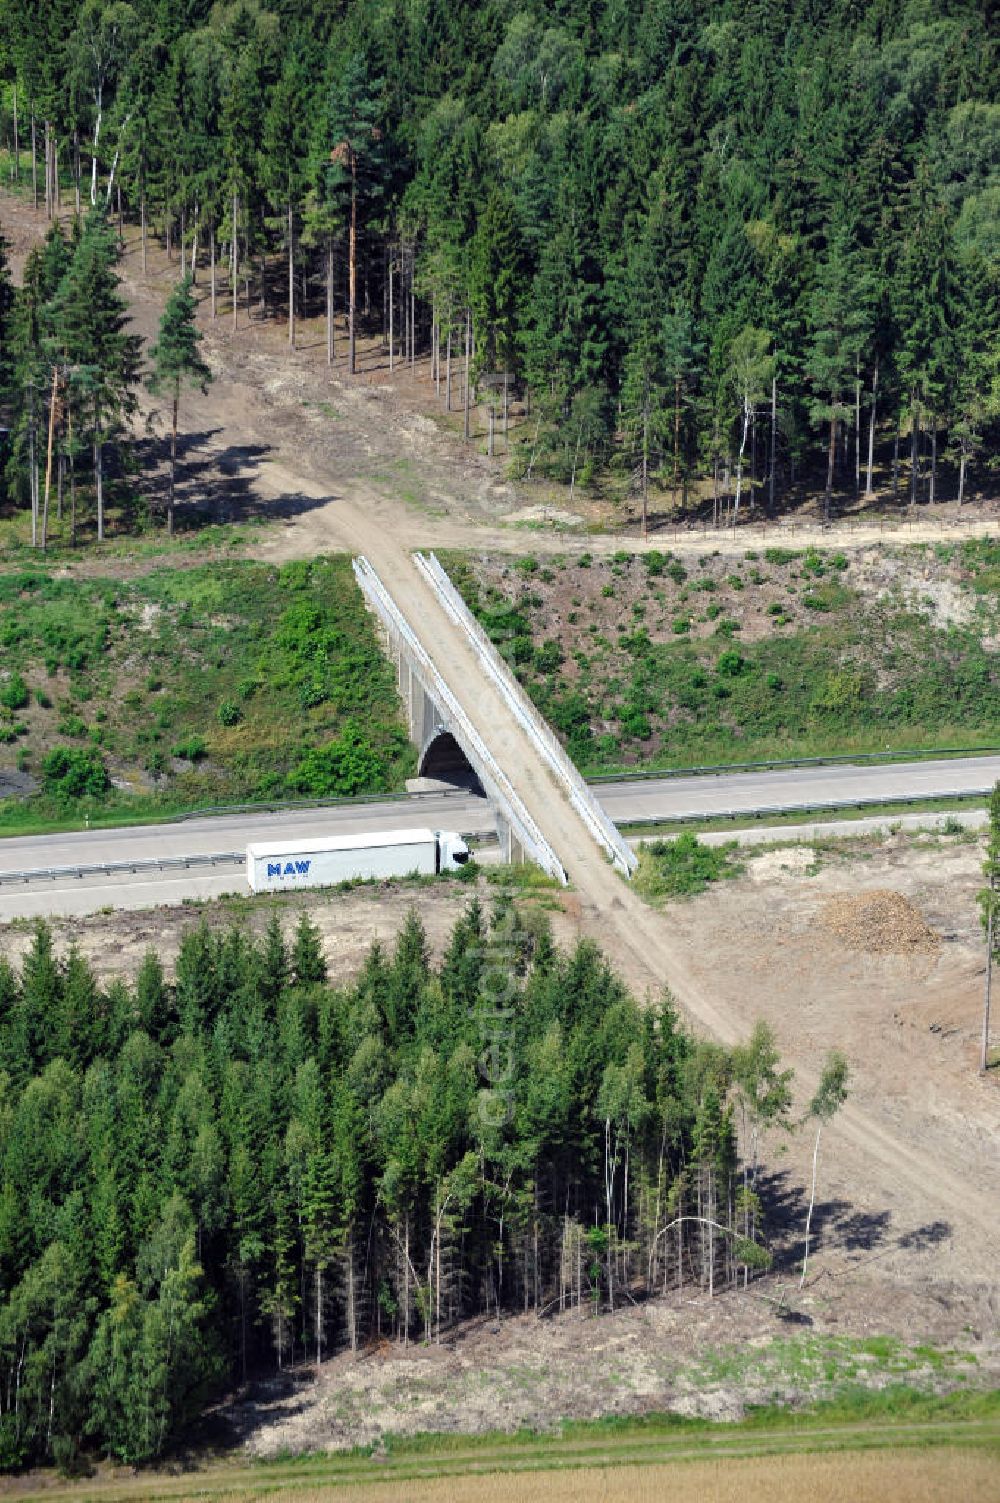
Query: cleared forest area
{"points": [[678, 660]]}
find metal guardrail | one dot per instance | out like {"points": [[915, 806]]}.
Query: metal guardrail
{"points": [[828, 806], [119, 868], [601, 828], [395, 622], [835, 759]]}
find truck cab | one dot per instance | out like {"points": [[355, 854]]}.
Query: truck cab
{"points": [[452, 851]]}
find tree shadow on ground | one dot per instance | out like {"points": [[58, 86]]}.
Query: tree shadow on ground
{"points": [[835, 1224], [214, 485]]}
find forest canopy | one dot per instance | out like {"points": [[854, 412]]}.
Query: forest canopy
{"points": [[207, 1177], [755, 240]]}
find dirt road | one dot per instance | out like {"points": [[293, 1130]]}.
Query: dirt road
{"points": [[333, 462], [885, 1172]]}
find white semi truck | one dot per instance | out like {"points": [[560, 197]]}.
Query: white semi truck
{"points": [[276, 866]]}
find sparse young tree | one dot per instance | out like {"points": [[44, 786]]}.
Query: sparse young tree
{"points": [[831, 1093], [751, 368], [177, 362]]}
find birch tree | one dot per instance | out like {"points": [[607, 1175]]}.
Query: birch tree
{"points": [[831, 1093]]}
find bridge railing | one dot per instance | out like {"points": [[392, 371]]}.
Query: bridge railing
{"points": [[544, 739], [489, 770]]}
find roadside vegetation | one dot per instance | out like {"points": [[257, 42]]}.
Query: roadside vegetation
{"points": [[648, 660], [682, 867], [221, 683]]}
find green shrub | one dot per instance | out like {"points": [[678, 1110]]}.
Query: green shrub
{"points": [[549, 657], [343, 767], [70, 772], [636, 725], [677, 572], [842, 692], [526, 565], [14, 693], [681, 624], [655, 563], [731, 664], [42, 700], [584, 561], [190, 749], [229, 712], [781, 555], [312, 692], [683, 867]]}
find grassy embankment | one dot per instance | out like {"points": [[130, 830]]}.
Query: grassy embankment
{"points": [[654, 662], [893, 1444], [183, 688]]}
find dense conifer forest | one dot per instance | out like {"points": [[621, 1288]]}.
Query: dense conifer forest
{"points": [[733, 246], [210, 1177]]}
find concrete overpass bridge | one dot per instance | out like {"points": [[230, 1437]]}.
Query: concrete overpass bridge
{"points": [[453, 738]]}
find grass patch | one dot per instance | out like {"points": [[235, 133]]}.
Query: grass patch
{"points": [[683, 867], [839, 1435], [222, 683], [132, 531]]}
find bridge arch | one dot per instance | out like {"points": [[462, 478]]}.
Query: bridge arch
{"points": [[442, 758]]}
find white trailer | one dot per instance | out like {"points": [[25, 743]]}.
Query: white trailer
{"points": [[276, 866]]}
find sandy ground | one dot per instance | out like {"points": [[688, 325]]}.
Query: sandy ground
{"points": [[349, 923], [912, 1158]]}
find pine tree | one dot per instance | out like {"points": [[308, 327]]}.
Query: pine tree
{"points": [[92, 329], [353, 137], [177, 362], [307, 960]]}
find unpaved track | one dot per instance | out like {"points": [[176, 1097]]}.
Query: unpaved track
{"points": [[636, 937], [328, 504]]}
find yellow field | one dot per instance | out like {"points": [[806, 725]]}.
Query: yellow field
{"points": [[950, 1476], [941, 1475]]}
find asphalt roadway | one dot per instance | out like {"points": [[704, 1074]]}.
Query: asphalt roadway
{"points": [[47, 890]]}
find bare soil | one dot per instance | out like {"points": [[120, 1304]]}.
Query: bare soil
{"points": [[349, 923]]}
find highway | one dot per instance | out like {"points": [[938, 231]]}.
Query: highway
{"points": [[225, 836]]}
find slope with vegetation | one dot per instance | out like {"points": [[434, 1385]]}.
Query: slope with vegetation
{"points": [[725, 246], [183, 687], [647, 659], [215, 1176]]}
